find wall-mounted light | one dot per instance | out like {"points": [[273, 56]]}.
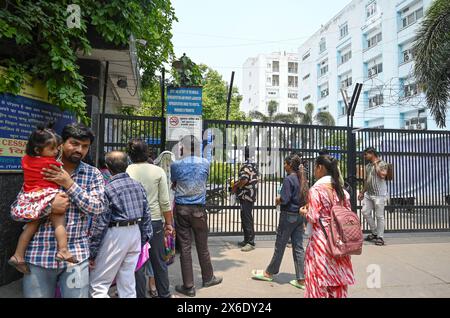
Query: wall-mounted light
{"points": [[122, 82]]}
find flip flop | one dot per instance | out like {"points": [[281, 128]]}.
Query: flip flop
{"points": [[295, 283], [20, 266], [258, 274]]}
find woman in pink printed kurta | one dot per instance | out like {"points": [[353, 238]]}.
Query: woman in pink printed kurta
{"points": [[325, 275]]}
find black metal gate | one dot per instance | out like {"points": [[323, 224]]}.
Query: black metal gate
{"points": [[419, 195]]}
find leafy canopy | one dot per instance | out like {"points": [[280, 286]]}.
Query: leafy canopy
{"points": [[42, 45]]}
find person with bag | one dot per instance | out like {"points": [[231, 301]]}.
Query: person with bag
{"points": [[373, 195], [327, 273]]}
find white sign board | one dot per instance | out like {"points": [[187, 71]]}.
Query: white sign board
{"points": [[179, 126]]}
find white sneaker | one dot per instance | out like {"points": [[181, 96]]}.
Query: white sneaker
{"points": [[247, 248]]}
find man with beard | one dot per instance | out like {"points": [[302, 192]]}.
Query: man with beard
{"points": [[84, 195]]}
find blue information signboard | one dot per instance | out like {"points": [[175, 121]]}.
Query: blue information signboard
{"points": [[19, 116], [184, 101]]}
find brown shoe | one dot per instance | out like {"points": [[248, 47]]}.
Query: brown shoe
{"points": [[65, 255], [20, 266]]}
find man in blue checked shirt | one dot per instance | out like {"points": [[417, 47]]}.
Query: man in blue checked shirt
{"points": [[119, 233], [84, 195]]}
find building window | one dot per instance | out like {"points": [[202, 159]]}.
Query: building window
{"points": [[306, 56], [374, 40], [276, 66], [306, 76], [269, 79], [343, 31], [416, 123], [411, 18], [376, 100], [345, 57], [293, 95], [347, 82], [410, 90], [323, 68], [293, 67], [324, 92], [375, 70], [408, 55], [292, 108], [269, 66], [371, 9], [322, 45], [306, 97], [276, 80], [342, 110], [292, 81]]}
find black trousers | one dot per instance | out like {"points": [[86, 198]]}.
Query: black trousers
{"points": [[247, 221], [192, 218]]}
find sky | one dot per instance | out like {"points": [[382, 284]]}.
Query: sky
{"points": [[224, 33]]}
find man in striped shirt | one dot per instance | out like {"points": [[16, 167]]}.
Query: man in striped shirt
{"points": [[84, 195], [374, 195]]}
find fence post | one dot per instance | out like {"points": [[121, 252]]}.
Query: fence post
{"points": [[163, 105], [351, 166]]}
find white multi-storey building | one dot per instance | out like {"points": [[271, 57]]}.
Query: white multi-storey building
{"points": [[368, 42], [270, 77]]}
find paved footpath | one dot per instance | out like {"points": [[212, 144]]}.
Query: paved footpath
{"points": [[410, 265]]}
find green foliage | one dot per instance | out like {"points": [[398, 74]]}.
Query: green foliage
{"points": [[221, 172], [215, 92], [432, 68], [43, 46]]}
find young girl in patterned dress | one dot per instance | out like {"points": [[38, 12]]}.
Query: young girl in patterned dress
{"points": [[325, 275], [35, 202]]}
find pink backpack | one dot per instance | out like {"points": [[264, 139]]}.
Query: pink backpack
{"points": [[344, 235]]}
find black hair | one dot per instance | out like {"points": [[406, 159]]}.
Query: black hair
{"points": [[324, 151], [77, 131], [138, 151], [371, 150], [117, 161], [40, 138], [295, 162], [331, 165]]}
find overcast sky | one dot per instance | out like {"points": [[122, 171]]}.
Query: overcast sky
{"points": [[223, 34]]}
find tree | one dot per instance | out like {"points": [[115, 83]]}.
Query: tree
{"points": [[214, 100], [297, 117], [41, 44], [272, 116], [432, 68]]}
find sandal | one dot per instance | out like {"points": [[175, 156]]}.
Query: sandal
{"points": [[20, 266], [295, 283], [258, 274], [379, 242], [371, 237], [60, 257]]}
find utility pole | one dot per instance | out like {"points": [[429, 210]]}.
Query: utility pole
{"points": [[350, 108], [163, 106]]}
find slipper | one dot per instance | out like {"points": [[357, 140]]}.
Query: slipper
{"points": [[258, 274], [20, 266], [295, 283]]}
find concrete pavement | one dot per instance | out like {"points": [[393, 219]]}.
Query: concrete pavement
{"points": [[410, 265]]}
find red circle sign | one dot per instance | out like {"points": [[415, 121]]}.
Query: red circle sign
{"points": [[174, 121]]}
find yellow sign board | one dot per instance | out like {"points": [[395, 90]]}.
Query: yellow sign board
{"points": [[32, 89]]}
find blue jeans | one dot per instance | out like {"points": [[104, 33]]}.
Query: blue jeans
{"points": [[290, 226], [41, 283]]}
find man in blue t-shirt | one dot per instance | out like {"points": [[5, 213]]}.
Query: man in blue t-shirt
{"points": [[189, 176]]}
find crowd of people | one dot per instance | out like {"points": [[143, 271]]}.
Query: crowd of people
{"points": [[87, 228]]}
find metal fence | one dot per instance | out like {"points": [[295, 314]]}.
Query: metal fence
{"points": [[419, 195]]}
